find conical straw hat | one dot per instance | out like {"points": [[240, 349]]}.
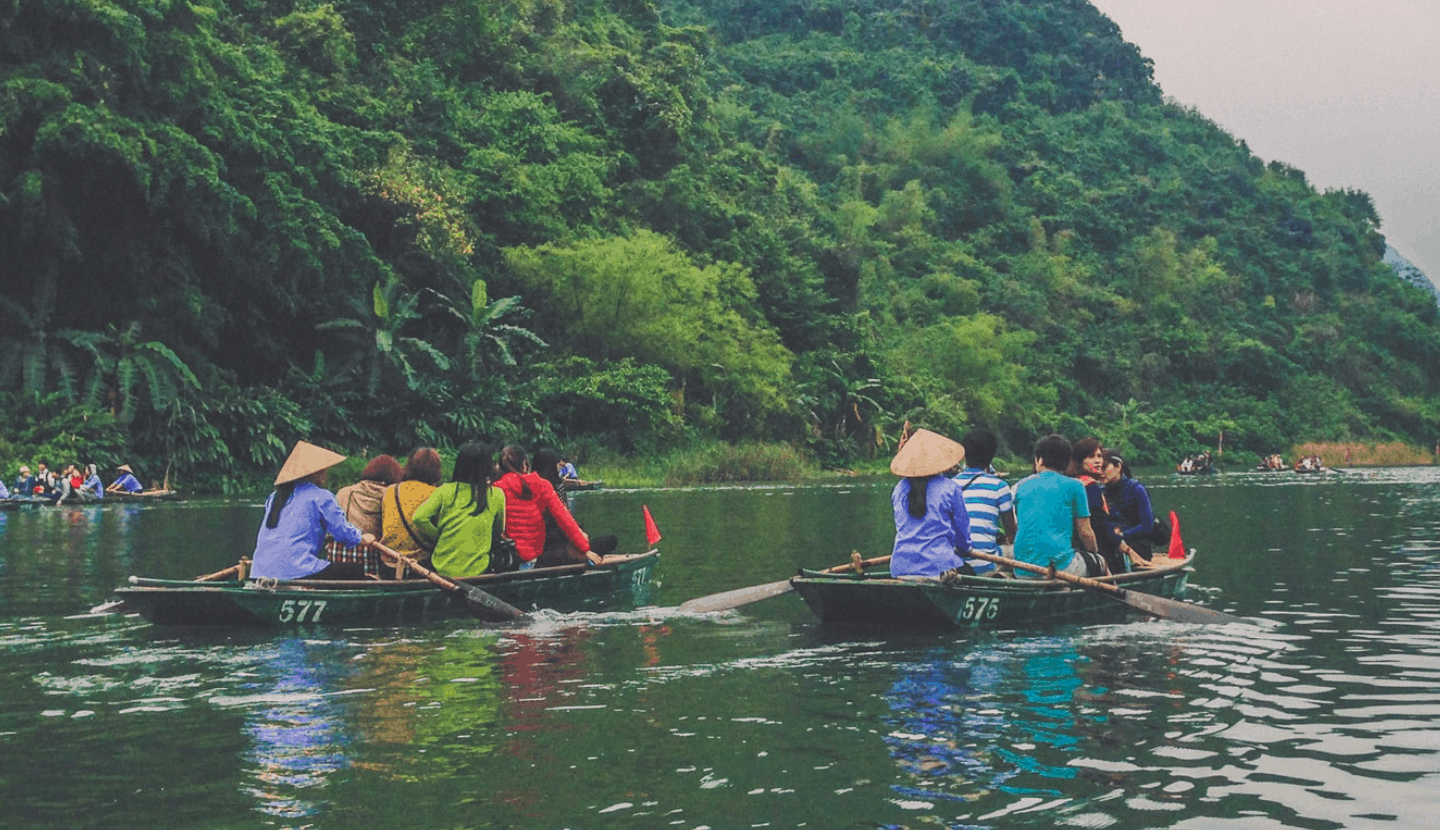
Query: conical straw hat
{"points": [[125, 468], [304, 460], [926, 454]]}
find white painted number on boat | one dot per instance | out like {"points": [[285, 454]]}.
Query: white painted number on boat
{"points": [[298, 610], [980, 608]]}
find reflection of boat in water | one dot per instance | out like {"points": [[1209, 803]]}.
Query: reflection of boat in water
{"points": [[877, 599], [622, 579]]}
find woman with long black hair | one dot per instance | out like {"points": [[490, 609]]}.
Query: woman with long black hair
{"points": [[298, 515], [465, 517], [932, 526]]}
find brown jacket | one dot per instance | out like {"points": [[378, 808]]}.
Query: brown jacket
{"points": [[361, 503]]}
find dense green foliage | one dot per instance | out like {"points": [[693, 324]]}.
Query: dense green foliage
{"points": [[633, 224]]}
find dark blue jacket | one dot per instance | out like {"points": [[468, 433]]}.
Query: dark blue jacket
{"points": [[1130, 509]]}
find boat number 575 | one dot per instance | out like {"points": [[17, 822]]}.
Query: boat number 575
{"points": [[980, 608], [301, 610]]}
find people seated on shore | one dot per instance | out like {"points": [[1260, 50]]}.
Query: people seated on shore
{"points": [[1131, 512], [528, 500], [1052, 512], [93, 487], [298, 515], [422, 474], [558, 549], [1087, 463], [464, 518], [932, 526], [989, 502], [126, 482]]}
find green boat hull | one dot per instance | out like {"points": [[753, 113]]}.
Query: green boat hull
{"points": [[624, 581], [879, 600]]}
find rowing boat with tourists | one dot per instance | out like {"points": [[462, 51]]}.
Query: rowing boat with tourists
{"points": [[496, 541], [1084, 545]]}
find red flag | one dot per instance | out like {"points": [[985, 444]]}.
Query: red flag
{"points": [[1177, 545], [652, 533]]}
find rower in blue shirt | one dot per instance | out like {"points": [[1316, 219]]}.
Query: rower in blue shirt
{"points": [[126, 483]]}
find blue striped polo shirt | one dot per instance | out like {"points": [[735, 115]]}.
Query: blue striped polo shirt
{"points": [[986, 497]]}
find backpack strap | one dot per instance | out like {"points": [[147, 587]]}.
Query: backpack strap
{"points": [[414, 537]]}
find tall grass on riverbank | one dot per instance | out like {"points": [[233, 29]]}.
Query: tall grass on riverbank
{"points": [[709, 463], [1355, 454]]}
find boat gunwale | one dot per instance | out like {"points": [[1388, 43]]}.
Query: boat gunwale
{"points": [[1000, 584], [620, 562]]}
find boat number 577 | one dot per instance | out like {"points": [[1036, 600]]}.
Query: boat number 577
{"points": [[980, 608], [301, 610]]}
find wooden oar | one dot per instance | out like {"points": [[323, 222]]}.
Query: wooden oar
{"points": [[744, 596], [118, 606], [1165, 609], [478, 602]]}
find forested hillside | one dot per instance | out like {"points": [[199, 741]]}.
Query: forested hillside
{"points": [[228, 224]]}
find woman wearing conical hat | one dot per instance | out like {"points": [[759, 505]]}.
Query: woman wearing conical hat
{"points": [[298, 515], [932, 527]]}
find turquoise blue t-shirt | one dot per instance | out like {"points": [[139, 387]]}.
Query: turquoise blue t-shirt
{"points": [[1046, 507]]}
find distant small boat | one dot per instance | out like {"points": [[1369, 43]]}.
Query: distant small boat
{"points": [[144, 496], [574, 485]]}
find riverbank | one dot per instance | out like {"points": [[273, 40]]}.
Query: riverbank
{"points": [[1358, 454]]}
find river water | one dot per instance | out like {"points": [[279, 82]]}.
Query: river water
{"points": [[1325, 713]]}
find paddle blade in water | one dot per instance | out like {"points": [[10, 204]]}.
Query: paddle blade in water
{"points": [[736, 598], [487, 606], [1172, 609]]}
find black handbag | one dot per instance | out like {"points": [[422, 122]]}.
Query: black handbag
{"points": [[504, 555]]}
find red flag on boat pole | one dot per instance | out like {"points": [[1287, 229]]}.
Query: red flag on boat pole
{"points": [[652, 533], [1177, 545]]}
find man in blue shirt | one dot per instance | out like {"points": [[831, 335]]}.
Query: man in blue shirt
{"points": [[1052, 512]]}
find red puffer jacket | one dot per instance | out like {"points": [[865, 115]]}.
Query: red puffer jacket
{"points": [[525, 518]]}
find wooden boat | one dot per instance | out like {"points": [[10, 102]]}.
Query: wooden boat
{"points": [[621, 580], [574, 485], [143, 497], [877, 599], [17, 503]]}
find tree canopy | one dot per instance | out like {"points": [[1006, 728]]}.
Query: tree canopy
{"points": [[228, 224]]}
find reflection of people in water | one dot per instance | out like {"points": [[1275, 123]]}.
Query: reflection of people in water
{"points": [[298, 731], [422, 696], [953, 745]]}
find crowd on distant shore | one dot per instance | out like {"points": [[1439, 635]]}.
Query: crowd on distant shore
{"points": [[73, 484]]}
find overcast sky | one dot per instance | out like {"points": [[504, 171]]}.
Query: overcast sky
{"points": [[1346, 90]]}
